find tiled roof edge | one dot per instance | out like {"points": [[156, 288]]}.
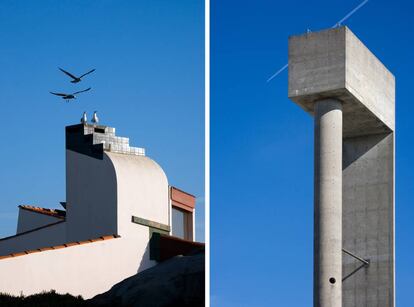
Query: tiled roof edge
{"points": [[103, 238], [45, 211]]}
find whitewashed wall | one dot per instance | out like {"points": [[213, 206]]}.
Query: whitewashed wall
{"points": [[142, 191], [85, 270], [45, 237], [91, 197]]}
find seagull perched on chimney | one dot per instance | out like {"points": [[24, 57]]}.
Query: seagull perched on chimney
{"points": [[95, 118], [75, 79], [84, 119]]}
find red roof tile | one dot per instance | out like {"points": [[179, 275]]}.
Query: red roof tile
{"points": [[60, 214], [58, 246]]}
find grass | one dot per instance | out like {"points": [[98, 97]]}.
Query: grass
{"points": [[44, 299]]}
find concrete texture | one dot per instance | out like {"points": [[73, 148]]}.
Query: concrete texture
{"points": [[333, 64], [368, 220], [328, 203]]}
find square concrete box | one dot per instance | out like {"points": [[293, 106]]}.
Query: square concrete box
{"points": [[334, 63]]}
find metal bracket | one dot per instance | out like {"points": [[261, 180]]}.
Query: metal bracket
{"points": [[365, 263]]}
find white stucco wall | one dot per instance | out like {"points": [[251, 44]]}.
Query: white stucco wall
{"points": [[91, 197], [45, 237], [142, 191], [85, 270], [29, 220]]}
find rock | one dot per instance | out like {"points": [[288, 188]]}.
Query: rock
{"points": [[178, 281]]}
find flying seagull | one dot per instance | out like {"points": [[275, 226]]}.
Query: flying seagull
{"points": [[75, 79], [67, 97]]}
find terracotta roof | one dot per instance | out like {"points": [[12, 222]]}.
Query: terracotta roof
{"points": [[60, 214], [58, 246]]}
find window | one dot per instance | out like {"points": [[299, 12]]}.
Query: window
{"points": [[183, 206], [182, 224], [99, 130]]}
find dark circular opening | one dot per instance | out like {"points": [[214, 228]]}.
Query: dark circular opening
{"points": [[332, 280]]}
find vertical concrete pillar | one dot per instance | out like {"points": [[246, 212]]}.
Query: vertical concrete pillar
{"points": [[328, 204]]}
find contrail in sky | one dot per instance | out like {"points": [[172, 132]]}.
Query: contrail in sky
{"points": [[334, 26], [350, 14]]}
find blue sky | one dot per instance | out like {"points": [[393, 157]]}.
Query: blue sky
{"points": [[262, 147], [149, 84]]}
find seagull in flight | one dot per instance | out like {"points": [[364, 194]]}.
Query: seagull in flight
{"points": [[67, 97], [76, 79]]}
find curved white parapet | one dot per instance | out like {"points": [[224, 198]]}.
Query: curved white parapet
{"points": [[142, 190]]}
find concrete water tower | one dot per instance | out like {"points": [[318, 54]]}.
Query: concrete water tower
{"points": [[351, 95]]}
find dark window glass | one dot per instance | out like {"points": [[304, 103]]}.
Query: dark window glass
{"points": [[178, 223]]}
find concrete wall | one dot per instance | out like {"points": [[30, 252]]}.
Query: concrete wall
{"points": [[334, 63], [91, 197], [29, 220], [369, 80], [368, 220], [316, 64], [45, 237], [85, 270]]}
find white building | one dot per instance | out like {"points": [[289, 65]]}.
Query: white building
{"points": [[116, 199]]}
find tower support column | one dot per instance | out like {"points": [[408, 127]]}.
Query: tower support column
{"points": [[328, 204]]}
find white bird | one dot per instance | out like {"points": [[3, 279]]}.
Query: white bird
{"points": [[95, 118], [84, 119]]}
